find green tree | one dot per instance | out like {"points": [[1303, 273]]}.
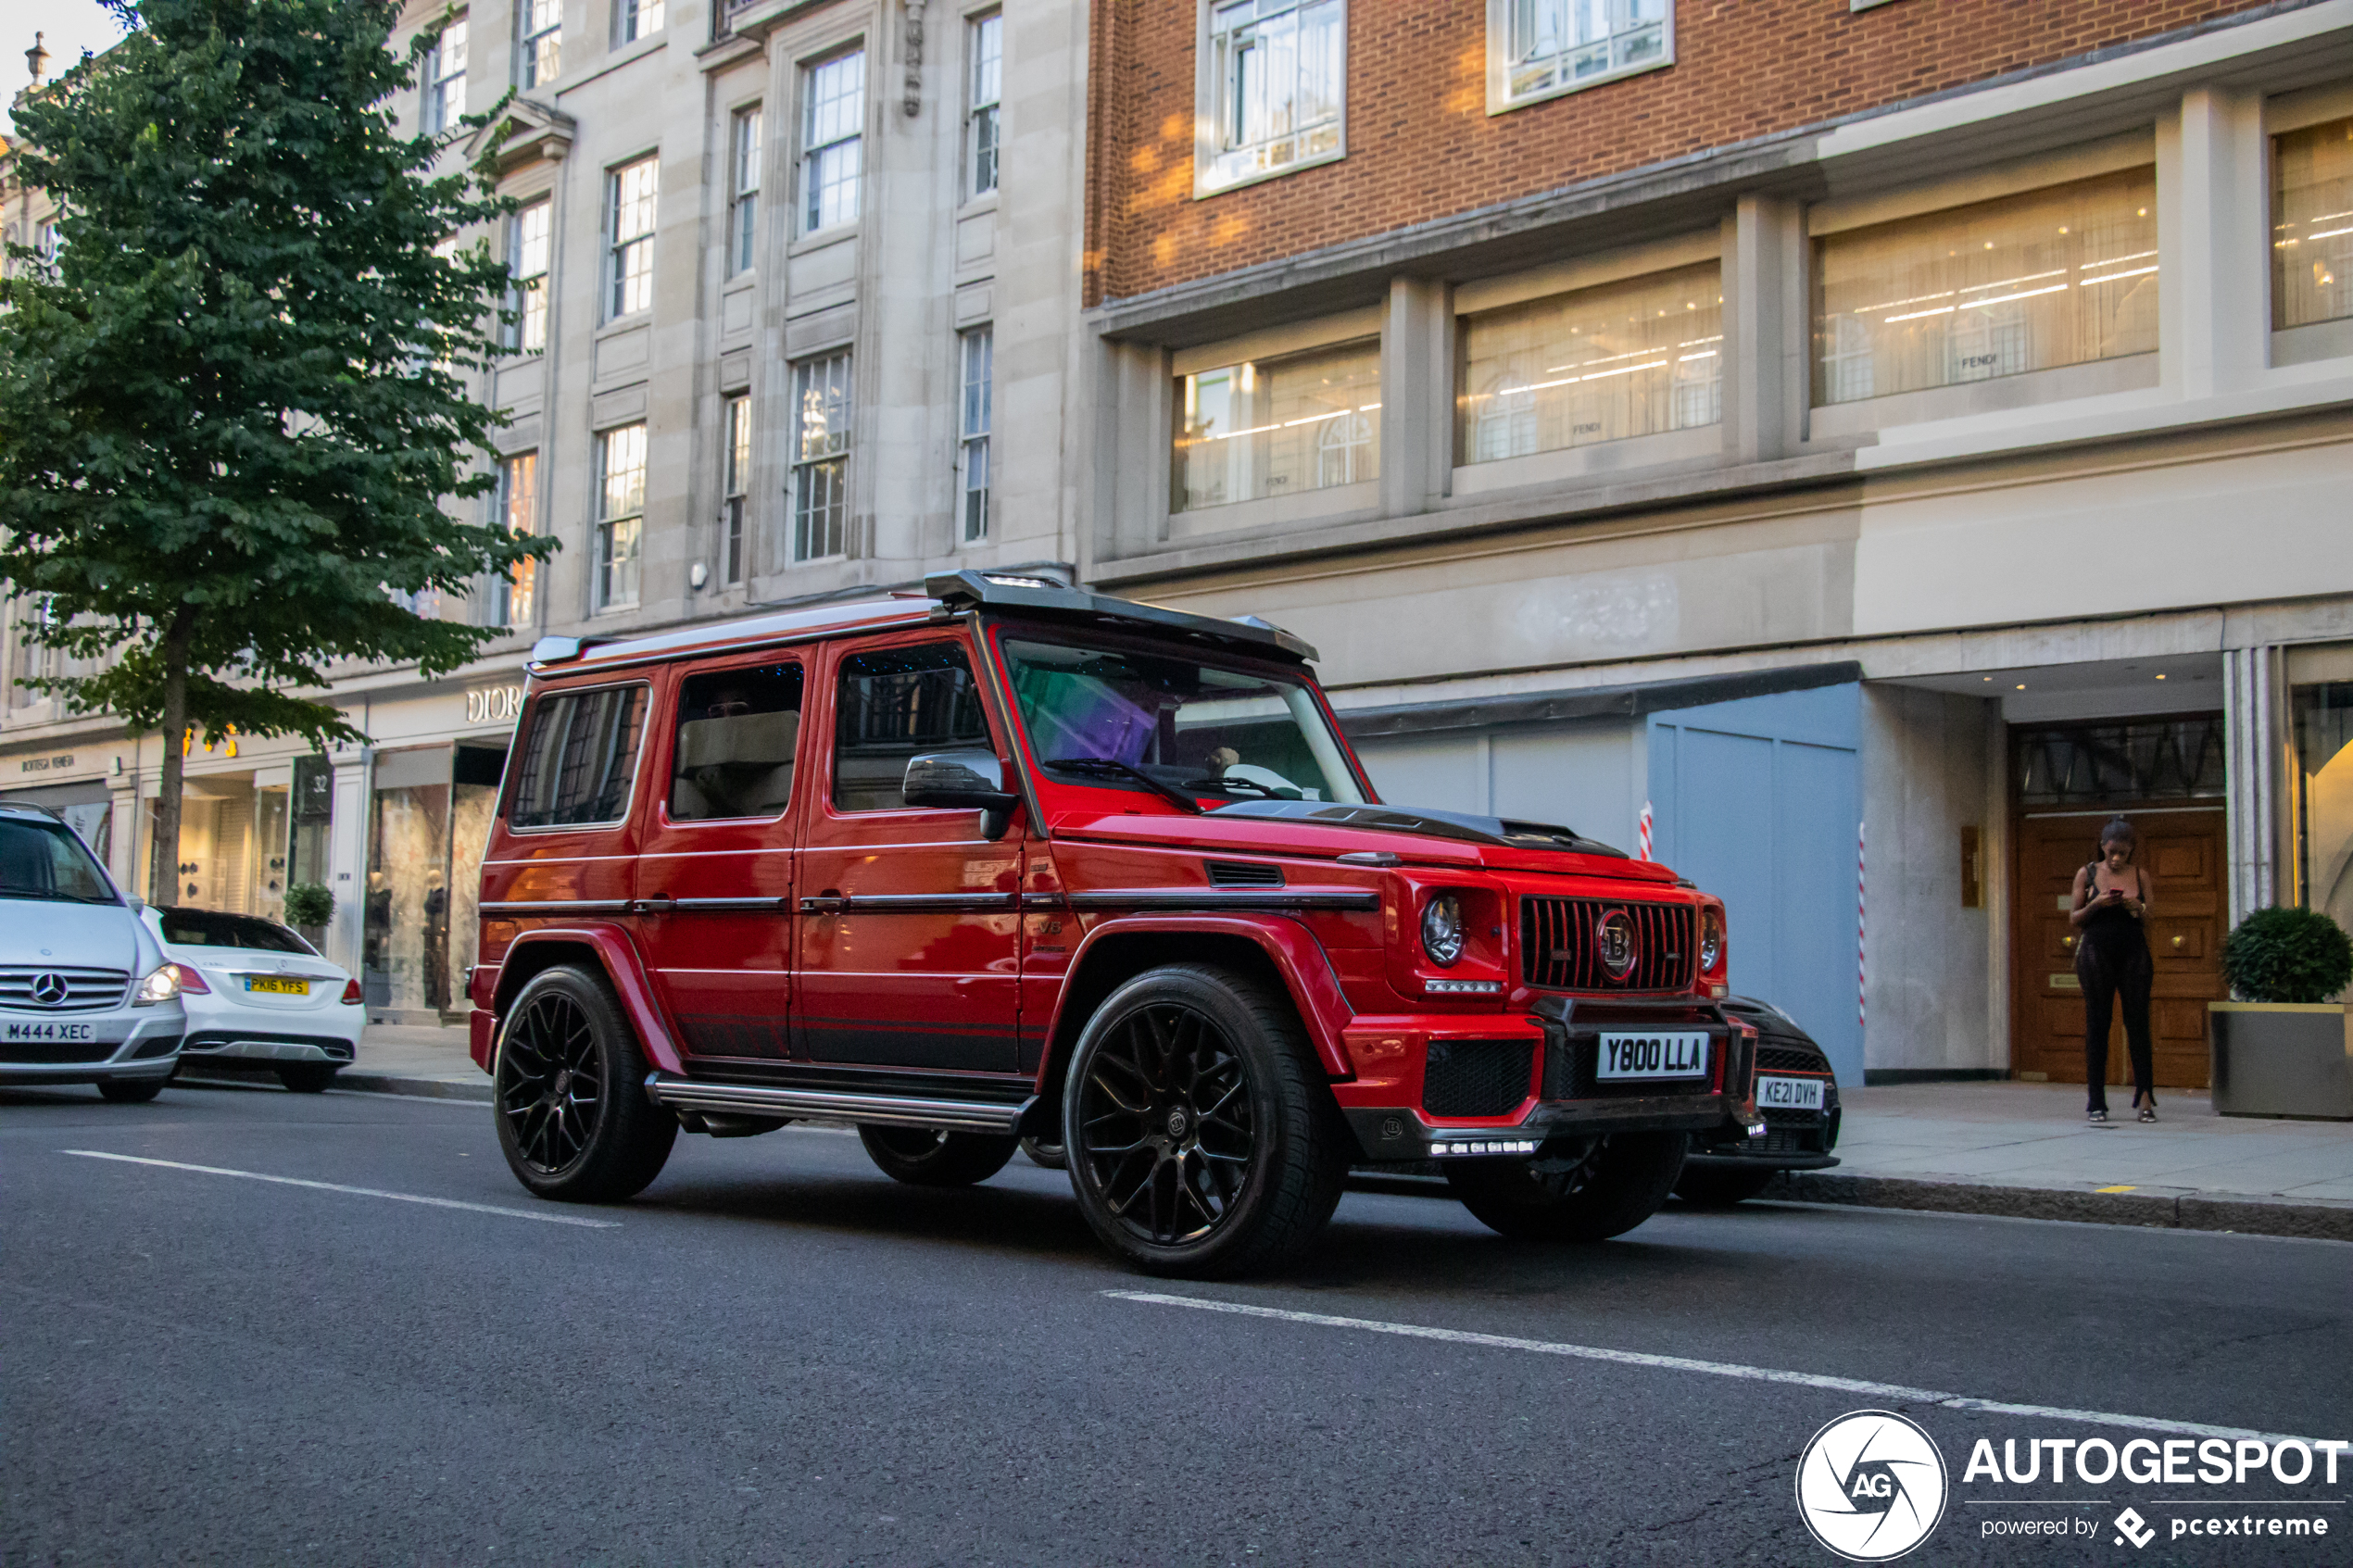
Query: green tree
{"points": [[231, 409]]}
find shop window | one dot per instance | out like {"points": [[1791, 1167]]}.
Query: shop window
{"points": [[1603, 364], [2098, 764], [2324, 802], [1277, 427], [1272, 91], [737, 733], [2062, 276], [889, 707], [2312, 225], [1539, 49], [578, 760]]}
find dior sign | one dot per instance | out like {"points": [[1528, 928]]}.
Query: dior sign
{"points": [[493, 705]]}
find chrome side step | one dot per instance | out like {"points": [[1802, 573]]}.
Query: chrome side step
{"points": [[832, 1105]]}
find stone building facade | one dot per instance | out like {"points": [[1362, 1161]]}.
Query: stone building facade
{"points": [[799, 294]]}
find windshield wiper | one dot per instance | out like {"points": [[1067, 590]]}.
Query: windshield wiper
{"points": [[52, 897], [1266, 791], [1102, 766]]}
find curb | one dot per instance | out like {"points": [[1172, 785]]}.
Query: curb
{"points": [[2309, 1219], [2162, 1209], [361, 1083]]}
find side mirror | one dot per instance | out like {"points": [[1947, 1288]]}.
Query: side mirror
{"points": [[970, 779]]}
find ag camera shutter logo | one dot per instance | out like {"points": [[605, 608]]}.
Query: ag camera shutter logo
{"points": [[1871, 1485]]}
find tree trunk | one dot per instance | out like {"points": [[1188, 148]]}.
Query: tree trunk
{"points": [[163, 863]]}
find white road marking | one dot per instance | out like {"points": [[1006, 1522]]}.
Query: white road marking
{"points": [[355, 1192], [1892, 1392]]}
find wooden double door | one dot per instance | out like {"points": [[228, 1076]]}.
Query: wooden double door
{"points": [[2181, 853]]}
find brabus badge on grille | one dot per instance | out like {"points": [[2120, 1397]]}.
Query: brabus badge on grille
{"points": [[1614, 944]]}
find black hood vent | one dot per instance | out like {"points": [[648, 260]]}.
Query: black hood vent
{"points": [[1244, 873], [1459, 825]]}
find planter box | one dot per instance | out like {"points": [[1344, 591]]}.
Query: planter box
{"points": [[2282, 1059]]}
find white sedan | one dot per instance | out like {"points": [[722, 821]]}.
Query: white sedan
{"points": [[255, 993]]}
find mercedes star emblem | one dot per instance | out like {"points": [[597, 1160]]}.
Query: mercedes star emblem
{"points": [[49, 989]]}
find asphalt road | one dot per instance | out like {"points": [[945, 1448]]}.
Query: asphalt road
{"points": [[776, 1355]]}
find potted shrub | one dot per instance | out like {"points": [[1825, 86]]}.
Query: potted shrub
{"points": [[2280, 1049], [308, 908]]}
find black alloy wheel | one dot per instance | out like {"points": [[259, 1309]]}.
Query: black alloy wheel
{"points": [[1045, 1153], [1198, 1141], [934, 1157], [1591, 1192], [572, 1121]]}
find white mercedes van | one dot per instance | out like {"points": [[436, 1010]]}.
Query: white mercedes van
{"points": [[86, 994]]}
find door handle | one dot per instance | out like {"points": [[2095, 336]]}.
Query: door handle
{"points": [[661, 903], [825, 904]]}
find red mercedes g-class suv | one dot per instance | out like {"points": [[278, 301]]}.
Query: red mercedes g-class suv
{"points": [[1011, 860]]}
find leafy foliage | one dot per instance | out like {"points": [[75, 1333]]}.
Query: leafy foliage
{"points": [[2287, 956], [309, 903], [230, 411]]}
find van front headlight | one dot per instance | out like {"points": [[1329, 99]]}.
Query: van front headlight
{"points": [[160, 985]]}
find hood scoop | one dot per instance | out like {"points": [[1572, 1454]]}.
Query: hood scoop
{"points": [[1459, 825]]}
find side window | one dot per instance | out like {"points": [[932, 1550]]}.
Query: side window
{"points": [[578, 759], [893, 705], [737, 730]]}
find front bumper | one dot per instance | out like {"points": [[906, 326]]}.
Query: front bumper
{"points": [[1788, 1140], [123, 1044], [1393, 1120]]}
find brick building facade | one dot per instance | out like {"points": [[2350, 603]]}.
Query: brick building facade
{"points": [[1870, 441]]}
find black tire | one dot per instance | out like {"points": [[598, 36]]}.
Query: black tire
{"points": [[1720, 1187], [1614, 1185], [933, 1157], [306, 1077], [574, 1119], [132, 1091], [1044, 1152], [1201, 1140]]}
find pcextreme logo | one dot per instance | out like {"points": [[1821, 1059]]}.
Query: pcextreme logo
{"points": [[1871, 1485]]}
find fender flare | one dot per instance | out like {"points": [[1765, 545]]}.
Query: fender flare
{"points": [[622, 966], [1298, 958]]}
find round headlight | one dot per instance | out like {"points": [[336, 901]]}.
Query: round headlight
{"points": [[1443, 930], [1711, 940]]}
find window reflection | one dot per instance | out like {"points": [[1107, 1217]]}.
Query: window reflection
{"points": [[1265, 428]]}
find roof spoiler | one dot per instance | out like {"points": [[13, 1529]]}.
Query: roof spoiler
{"points": [[1021, 591], [560, 650]]}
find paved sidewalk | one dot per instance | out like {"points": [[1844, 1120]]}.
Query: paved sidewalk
{"points": [[2025, 1148], [2021, 1149]]}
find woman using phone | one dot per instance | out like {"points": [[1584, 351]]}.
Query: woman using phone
{"points": [[2112, 961]]}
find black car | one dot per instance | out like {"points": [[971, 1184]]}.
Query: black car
{"points": [[1798, 1095]]}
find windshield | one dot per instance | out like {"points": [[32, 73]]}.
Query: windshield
{"points": [[1173, 723], [210, 928], [43, 860]]}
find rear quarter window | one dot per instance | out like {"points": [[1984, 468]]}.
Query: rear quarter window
{"points": [[578, 759]]}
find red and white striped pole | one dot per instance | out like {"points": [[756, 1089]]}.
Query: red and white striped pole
{"points": [[1862, 972], [1642, 833]]}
